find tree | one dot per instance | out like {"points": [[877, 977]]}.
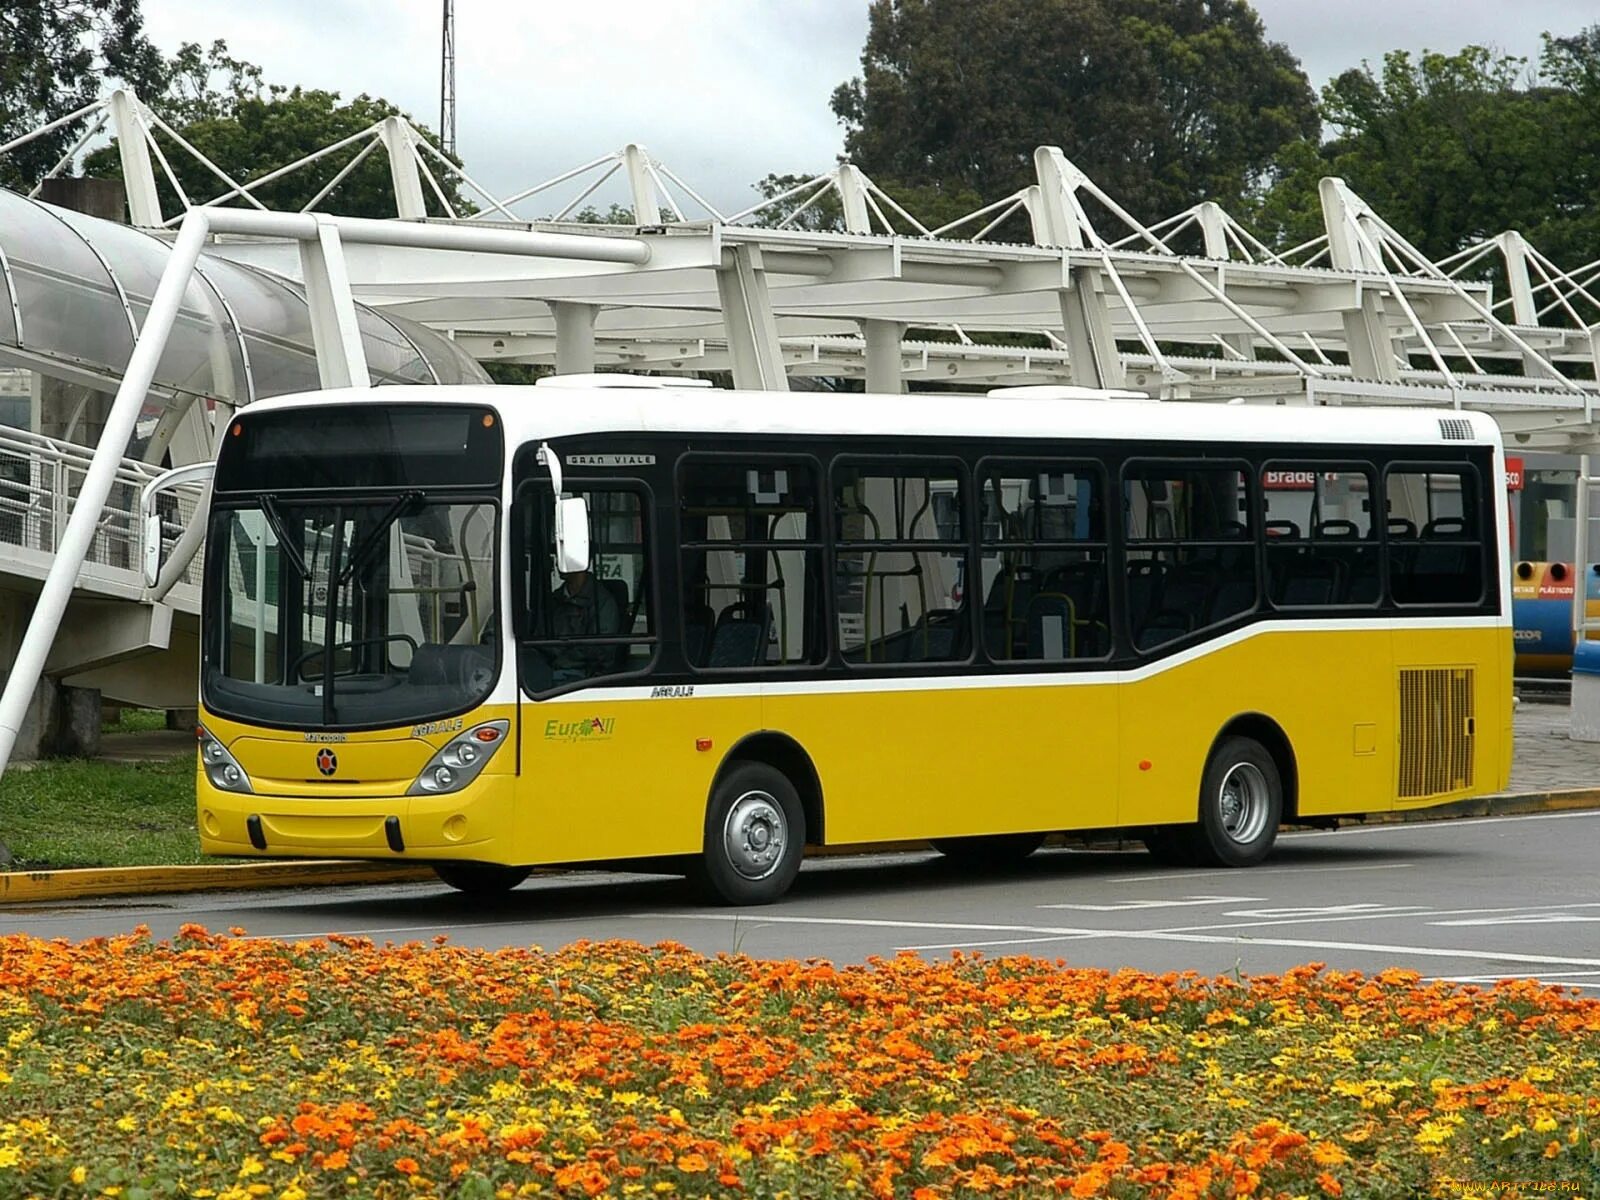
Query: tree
{"points": [[1163, 102], [1454, 148], [55, 57], [222, 106]]}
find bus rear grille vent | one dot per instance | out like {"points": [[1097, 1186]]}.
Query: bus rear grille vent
{"points": [[1453, 429], [1436, 731]]}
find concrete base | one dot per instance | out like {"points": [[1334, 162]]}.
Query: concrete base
{"points": [[184, 719], [61, 722]]}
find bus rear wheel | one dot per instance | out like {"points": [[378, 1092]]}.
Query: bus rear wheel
{"points": [[755, 836], [989, 851], [480, 879], [1241, 805]]}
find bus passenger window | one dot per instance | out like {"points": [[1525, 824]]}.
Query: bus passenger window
{"points": [[751, 563], [901, 563], [586, 624], [1322, 547], [1042, 564], [1190, 555], [1435, 532]]}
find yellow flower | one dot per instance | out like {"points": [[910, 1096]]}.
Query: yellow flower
{"points": [[10, 1156], [250, 1166], [79, 1174]]}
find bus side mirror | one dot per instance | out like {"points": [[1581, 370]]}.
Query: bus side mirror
{"points": [[572, 534]]}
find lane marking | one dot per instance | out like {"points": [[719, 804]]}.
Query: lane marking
{"points": [[1142, 935], [1533, 918], [1443, 825], [1142, 905], [1231, 872], [1373, 916]]}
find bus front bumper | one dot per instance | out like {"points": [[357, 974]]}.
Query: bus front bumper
{"points": [[475, 823]]}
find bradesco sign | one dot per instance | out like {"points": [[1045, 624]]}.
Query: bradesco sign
{"points": [[1514, 474], [1289, 481]]}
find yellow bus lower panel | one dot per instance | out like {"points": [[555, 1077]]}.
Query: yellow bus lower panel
{"points": [[920, 758]]}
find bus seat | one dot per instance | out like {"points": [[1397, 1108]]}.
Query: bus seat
{"points": [[1162, 628], [740, 638], [939, 636], [1314, 581], [1144, 591], [1280, 529], [1337, 528], [1232, 598], [698, 622], [1445, 527], [1402, 527], [618, 588]]}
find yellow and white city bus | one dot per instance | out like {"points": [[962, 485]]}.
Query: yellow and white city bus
{"points": [[606, 618]]}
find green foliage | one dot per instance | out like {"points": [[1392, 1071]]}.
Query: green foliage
{"points": [[55, 57], [84, 813], [1454, 148], [1162, 102], [222, 107]]}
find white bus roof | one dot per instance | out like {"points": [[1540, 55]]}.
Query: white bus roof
{"points": [[533, 413]]}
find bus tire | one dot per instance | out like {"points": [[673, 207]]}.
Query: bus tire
{"points": [[480, 879], [989, 851], [755, 836], [1241, 804]]}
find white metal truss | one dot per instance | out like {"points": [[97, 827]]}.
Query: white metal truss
{"points": [[1194, 307]]}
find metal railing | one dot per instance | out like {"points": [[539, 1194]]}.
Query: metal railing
{"points": [[40, 479]]}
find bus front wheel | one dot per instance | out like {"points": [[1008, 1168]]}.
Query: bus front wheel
{"points": [[480, 879], [755, 836], [1241, 805]]}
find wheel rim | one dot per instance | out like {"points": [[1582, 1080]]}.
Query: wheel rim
{"points": [[1244, 800], [754, 835]]}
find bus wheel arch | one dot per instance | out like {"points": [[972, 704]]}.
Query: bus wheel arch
{"points": [[1263, 729], [783, 753], [756, 822]]}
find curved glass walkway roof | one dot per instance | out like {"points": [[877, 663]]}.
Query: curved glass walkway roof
{"points": [[74, 290]]}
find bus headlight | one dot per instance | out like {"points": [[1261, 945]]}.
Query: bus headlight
{"points": [[222, 769], [462, 758]]}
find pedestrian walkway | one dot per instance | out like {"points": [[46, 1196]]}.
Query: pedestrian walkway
{"points": [[1546, 759]]}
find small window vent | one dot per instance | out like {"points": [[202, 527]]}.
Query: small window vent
{"points": [[1453, 429]]}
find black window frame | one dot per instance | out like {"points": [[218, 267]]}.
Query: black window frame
{"points": [[991, 466], [1486, 541], [1253, 538], [520, 497], [904, 464], [1377, 537], [818, 541]]}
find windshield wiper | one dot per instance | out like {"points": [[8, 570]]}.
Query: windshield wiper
{"points": [[269, 506], [404, 505]]}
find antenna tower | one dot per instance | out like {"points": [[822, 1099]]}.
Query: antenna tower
{"points": [[447, 80]]}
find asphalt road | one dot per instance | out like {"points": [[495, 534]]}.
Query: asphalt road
{"points": [[1466, 900]]}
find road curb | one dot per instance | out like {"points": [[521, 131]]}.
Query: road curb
{"points": [[85, 883]]}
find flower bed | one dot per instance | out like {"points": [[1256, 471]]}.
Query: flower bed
{"points": [[223, 1066]]}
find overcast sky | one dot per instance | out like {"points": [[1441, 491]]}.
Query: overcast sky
{"points": [[721, 91]]}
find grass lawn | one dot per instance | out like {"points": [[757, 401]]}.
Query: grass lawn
{"points": [[83, 813]]}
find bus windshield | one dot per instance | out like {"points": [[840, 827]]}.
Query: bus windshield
{"points": [[357, 612]]}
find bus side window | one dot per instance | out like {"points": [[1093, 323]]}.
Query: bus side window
{"points": [[586, 624], [1322, 545], [1435, 535], [750, 562], [1042, 563], [901, 562], [1190, 553]]}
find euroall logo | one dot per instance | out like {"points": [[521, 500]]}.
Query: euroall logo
{"points": [[586, 729], [327, 761]]}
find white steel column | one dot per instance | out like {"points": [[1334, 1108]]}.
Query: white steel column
{"points": [[408, 201], [883, 356], [76, 539], [574, 337], [1058, 220], [853, 199], [1213, 228], [341, 358], [138, 176], [646, 205], [1366, 333], [1514, 250], [747, 313]]}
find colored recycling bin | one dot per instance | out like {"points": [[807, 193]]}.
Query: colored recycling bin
{"points": [[1541, 614]]}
